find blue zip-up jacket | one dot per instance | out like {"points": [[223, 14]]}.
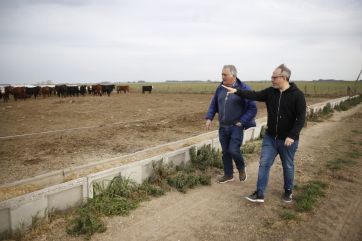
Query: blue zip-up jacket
{"points": [[232, 108]]}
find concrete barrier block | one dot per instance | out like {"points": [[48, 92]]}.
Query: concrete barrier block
{"points": [[103, 178], [248, 134], [177, 157], [256, 132], [187, 155], [203, 143], [133, 172], [66, 198], [4, 220], [217, 146], [147, 166], [21, 216], [215, 141], [147, 170]]}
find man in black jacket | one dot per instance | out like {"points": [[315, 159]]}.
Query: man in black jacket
{"points": [[286, 109]]}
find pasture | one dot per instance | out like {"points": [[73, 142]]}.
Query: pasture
{"points": [[310, 88], [72, 131]]}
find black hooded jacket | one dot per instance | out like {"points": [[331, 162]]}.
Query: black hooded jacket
{"points": [[286, 110]]}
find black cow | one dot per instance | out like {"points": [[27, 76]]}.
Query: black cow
{"points": [[147, 88], [107, 89], [83, 90], [51, 91], [73, 90], [7, 93], [32, 91], [61, 90]]}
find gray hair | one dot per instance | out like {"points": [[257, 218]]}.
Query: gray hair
{"points": [[285, 71], [232, 69]]}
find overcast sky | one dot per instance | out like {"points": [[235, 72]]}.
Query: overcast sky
{"points": [[157, 40]]}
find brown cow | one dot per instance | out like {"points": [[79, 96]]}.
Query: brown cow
{"points": [[124, 88], [97, 90], [18, 93], [45, 91]]}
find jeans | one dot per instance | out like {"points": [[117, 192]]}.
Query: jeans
{"points": [[231, 138], [271, 147]]}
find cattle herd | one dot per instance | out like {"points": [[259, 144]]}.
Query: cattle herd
{"points": [[64, 90]]}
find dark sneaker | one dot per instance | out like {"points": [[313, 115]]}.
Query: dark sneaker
{"points": [[288, 197], [256, 197], [225, 179], [242, 175]]}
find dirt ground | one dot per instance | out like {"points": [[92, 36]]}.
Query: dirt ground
{"points": [[219, 212], [111, 126]]}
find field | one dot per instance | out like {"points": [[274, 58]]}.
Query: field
{"points": [[326, 89], [67, 132]]}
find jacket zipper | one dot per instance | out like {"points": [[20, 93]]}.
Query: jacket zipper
{"points": [[276, 127], [226, 98]]}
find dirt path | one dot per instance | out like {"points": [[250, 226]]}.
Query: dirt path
{"points": [[219, 212]]}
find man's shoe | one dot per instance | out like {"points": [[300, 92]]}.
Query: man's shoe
{"points": [[242, 175], [256, 197], [225, 179], [288, 197]]}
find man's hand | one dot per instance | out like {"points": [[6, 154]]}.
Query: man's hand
{"points": [[229, 89], [208, 124], [238, 124], [288, 141]]}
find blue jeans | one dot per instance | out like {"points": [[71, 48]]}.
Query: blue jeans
{"points": [[271, 147], [231, 138]]}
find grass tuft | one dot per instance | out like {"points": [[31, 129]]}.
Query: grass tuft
{"points": [[338, 163], [309, 194], [289, 215]]}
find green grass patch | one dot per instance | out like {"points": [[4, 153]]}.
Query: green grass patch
{"points": [[121, 195], [250, 147], [339, 163], [289, 215], [356, 131], [347, 104], [352, 142], [308, 195], [319, 116], [183, 180], [206, 157], [353, 154], [85, 223]]}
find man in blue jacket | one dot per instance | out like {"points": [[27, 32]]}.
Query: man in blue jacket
{"points": [[235, 115]]}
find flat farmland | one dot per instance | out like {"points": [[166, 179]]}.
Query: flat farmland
{"points": [[68, 132]]}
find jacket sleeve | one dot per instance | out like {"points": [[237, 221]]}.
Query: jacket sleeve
{"points": [[300, 106], [213, 108], [250, 112], [252, 95]]}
